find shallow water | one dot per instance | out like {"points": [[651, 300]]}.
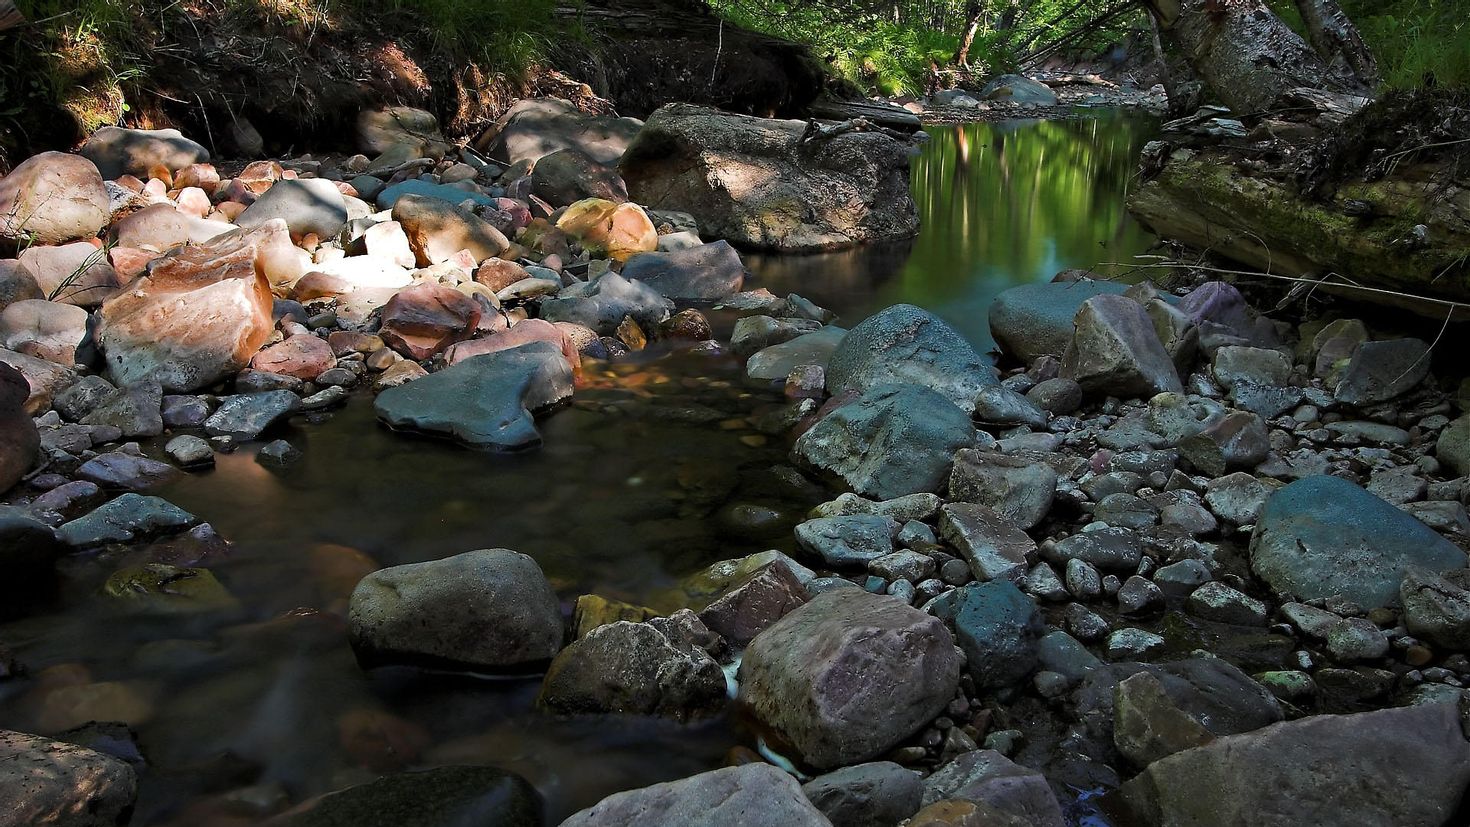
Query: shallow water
{"points": [[641, 481]]}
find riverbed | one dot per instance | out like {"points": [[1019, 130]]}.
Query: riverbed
{"points": [[659, 468]]}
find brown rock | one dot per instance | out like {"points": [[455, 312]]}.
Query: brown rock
{"points": [[45, 782], [199, 316], [523, 332], [748, 609], [303, 356], [16, 283], [52, 198], [960, 813], [78, 273], [45, 330], [421, 320], [129, 262], [18, 448], [608, 229], [203, 176], [46, 379], [343, 342], [498, 274], [438, 229]]}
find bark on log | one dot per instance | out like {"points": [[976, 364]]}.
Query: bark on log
{"points": [[10, 16], [1333, 35], [1243, 51]]}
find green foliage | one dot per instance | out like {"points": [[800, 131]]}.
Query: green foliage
{"points": [[503, 35], [1417, 42]]}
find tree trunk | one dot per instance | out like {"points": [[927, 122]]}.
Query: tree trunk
{"points": [[1243, 51], [1333, 35], [967, 37]]}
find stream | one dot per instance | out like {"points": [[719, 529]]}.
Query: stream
{"points": [[656, 470]]}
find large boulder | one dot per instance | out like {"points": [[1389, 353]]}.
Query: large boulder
{"points": [[1324, 536], [1115, 351], [568, 175], [634, 668], [56, 784], [757, 183], [1034, 320], [490, 610], [309, 206], [394, 127], [198, 316], [440, 797], [22, 441], [536, 127], [1018, 89], [485, 401], [76, 273], [904, 344], [139, 152], [890, 441], [52, 198], [704, 273], [1405, 766], [437, 229], [731, 797], [849, 675], [45, 330]]}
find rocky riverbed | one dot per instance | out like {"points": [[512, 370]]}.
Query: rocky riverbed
{"points": [[1174, 562]]}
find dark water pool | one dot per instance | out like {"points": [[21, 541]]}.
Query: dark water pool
{"points": [[653, 473]]}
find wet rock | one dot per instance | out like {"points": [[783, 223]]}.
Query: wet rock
{"points": [[22, 440], [904, 344], [440, 797], [997, 626], [1324, 536], [705, 273], [812, 349], [752, 793], [811, 676], [754, 333], [610, 230], [52, 198], [879, 794], [1115, 351], [1237, 440], [738, 176], [162, 589], [891, 441], [994, 547], [438, 229], [190, 451], [521, 333], [1015, 486], [1237, 498], [1437, 607], [485, 401], [1328, 769], [422, 320], [45, 782], [633, 668], [125, 471], [690, 325], [568, 175], [198, 316], [750, 605], [309, 206], [604, 302], [1222, 604], [117, 151], [988, 776], [277, 453], [29, 550], [1148, 726], [1380, 371], [487, 610], [1115, 549], [246, 416], [848, 541], [302, 356], [1034, 320], [129, 517]]}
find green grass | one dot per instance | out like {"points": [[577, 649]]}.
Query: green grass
{"points": [[1417, 42]]}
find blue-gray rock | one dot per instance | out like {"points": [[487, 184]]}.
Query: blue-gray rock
{"points": [[1324, 536], [998, 626], [999, 405], [704, 273], [485, 401], [307, 205], [1115, 549], [27, 547], [1401, 766], [849, 675], [602, 303], [991, 543], [635, 669], [117, 151], [45, 782], [440, 797], [750, 794], [879, 794], [890, 441], [988, 776], [907, 345], [444, 192], [754, 333], [1437, 607], [1210, 690], [1115, 351], [125, 471], [489, 610], [777, 361], [1019, 89], [848, 541], [125, 519], [1034, 320], [248, 415], [1018, 487], [1380, 371]]}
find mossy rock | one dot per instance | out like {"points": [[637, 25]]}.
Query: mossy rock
{"points": [[161, 588]]}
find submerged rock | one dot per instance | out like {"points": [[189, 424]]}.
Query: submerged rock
{"points": [[440, 797], [490, 609], [125, 519], [1324, 536], [754, 182], [484, 401], [748, 794], [849, 675]]}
